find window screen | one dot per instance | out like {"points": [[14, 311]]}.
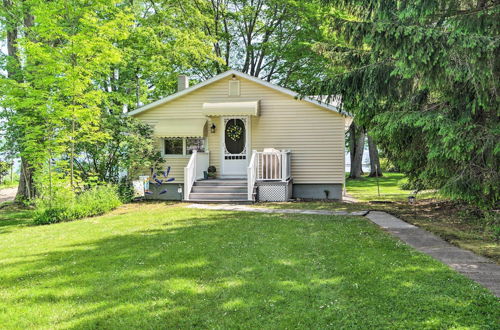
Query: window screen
{"points": [[197, 144], [173, 146]]}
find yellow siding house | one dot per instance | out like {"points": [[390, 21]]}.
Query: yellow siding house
{"points": [[235, 137]]}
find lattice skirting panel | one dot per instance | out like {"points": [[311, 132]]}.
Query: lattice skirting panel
{"points": [[274, 191]]}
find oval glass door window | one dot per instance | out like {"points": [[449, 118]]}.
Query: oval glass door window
{"points": [[235, 136]]}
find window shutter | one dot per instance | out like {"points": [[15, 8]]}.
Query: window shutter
{"points": [[234, 88]]}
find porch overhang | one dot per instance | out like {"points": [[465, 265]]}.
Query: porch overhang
{"points": [[181, 127], [232, 108]]}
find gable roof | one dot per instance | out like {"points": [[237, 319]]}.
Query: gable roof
{"points": [[228, 74]]}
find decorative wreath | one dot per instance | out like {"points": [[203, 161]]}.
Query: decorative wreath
{"points": [[234, 132]]}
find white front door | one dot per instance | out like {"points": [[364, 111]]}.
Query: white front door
{"points": [[235, 146]]}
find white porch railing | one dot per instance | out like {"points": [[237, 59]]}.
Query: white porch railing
{"points": [[252, 175], [198, 163], [268, 166], [273, 165]]}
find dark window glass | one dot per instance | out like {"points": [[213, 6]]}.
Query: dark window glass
{"points": [[235, 136], [173, 146], [197, 144]]}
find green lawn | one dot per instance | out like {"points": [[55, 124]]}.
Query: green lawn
{"points": [[457, 223], [164, 266], [366, 189]]}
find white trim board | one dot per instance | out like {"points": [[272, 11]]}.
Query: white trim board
{"points": [[239, 74]]}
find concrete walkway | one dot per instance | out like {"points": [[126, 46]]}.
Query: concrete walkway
{"points": [[477, 268]]}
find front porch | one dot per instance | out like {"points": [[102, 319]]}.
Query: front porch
{"points": [[268, 177]]}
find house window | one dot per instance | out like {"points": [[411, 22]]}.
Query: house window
{"points": [[173, 146], [183, 146], [197, 144]]}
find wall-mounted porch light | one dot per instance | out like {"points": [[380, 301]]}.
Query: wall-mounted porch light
{"points": [[212, 128]]}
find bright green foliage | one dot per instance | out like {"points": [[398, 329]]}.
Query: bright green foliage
{"points": [[166, 40], [57, 104], [4, 170], [154, 266], [130, 146], [425, 76], [270, 39], [81, 65], [65, 205]]}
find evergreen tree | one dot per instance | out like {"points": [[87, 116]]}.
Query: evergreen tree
{"points": [[425, 76]]}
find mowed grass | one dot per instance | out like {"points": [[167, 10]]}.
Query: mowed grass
{"points": [[457, 223], [389, 185], [162, 265]]}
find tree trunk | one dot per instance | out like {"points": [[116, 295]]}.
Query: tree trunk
{"points": [[357, 157], [25, 189], [375, 169], [12, 35], [352, 142]]}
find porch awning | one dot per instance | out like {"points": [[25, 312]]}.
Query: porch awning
{"points": [[181, 127], [234, 108]]}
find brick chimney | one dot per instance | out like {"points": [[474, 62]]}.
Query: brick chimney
{"points": [[182, 82]]}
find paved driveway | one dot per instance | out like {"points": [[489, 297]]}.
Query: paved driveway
{"points": [[7, 194]]}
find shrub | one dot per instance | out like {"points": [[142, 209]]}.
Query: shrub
{"points": [[4, 170], [492, 223], [387, 166], [64, 205], [407, 186], [125, 190]]}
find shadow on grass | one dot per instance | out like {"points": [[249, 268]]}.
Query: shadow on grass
{"points": [[230, 270], [12, 216], [388, 180]]}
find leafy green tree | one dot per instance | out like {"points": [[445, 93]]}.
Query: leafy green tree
{"points": [[128, 149], [163, 42], [425, 75], [56, 103], [4, 170], [15, 20], [270, 39], [166, 39], [74, 67]]}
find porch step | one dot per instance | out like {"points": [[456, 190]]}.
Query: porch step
{"points": [[221, 201], [219, 191], [221, 182], [219, 196]]}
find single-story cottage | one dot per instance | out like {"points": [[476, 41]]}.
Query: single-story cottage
{"points": [[235, 137]]}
